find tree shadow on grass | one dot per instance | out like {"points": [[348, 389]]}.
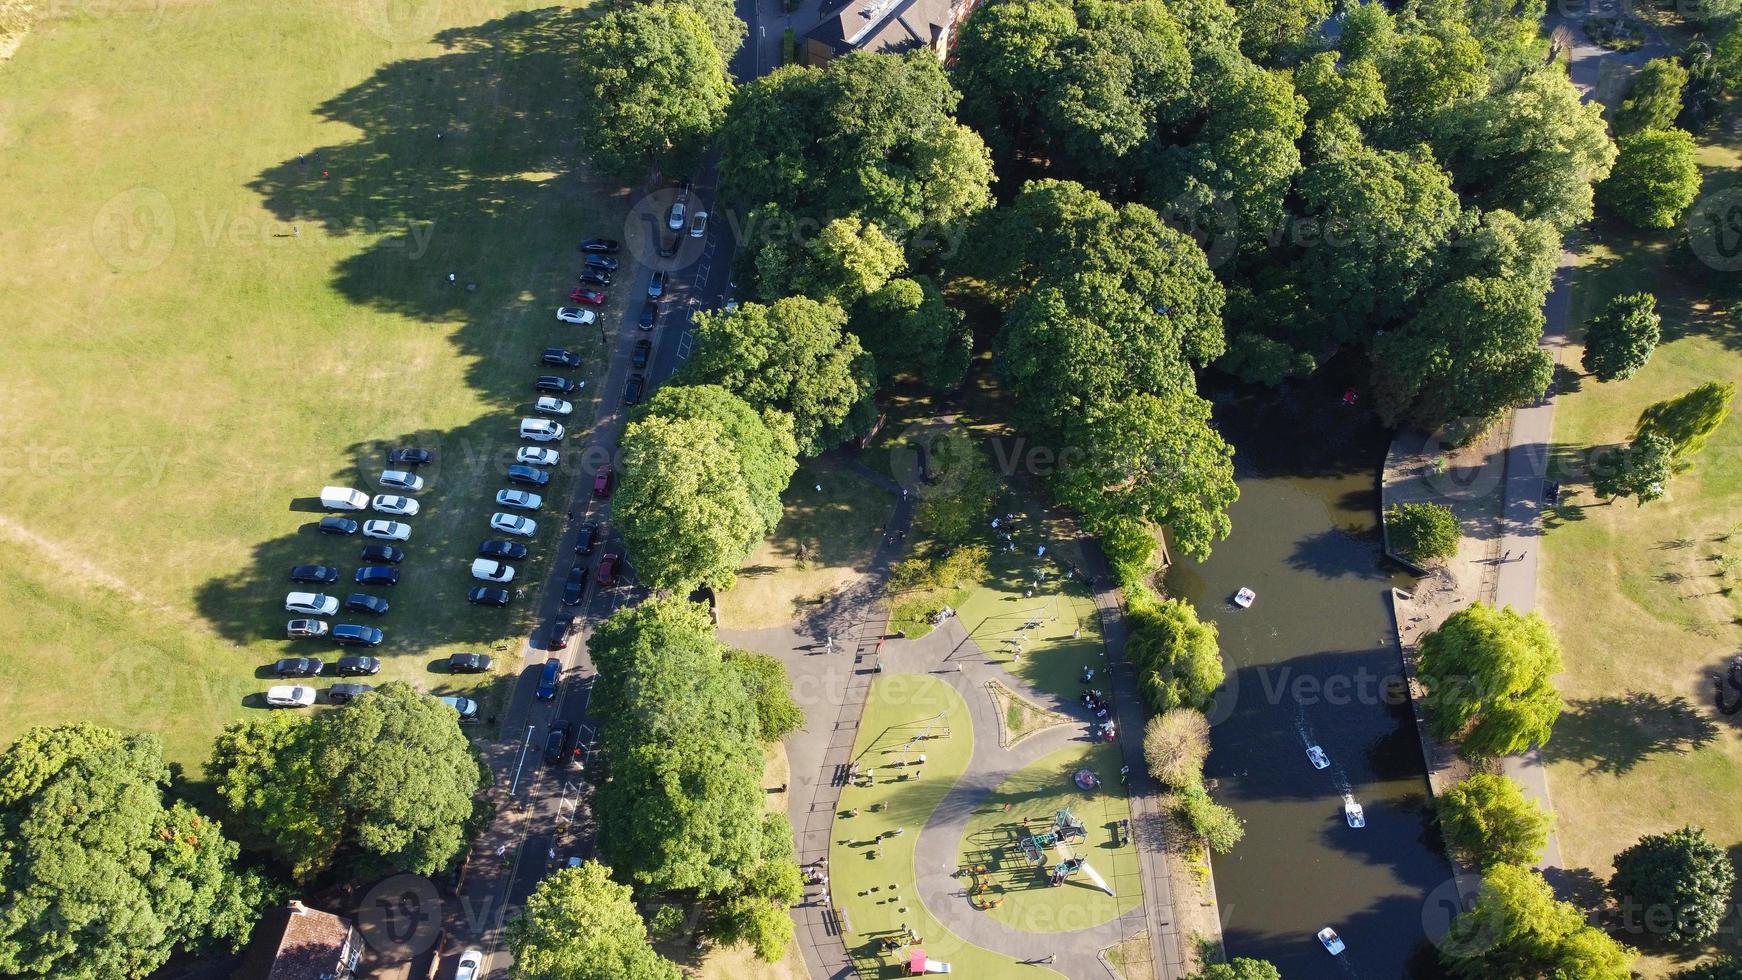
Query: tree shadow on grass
{"points": [[1613, 734]]}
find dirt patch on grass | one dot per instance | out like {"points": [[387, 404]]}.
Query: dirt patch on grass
{"points": [[1018, 717]]}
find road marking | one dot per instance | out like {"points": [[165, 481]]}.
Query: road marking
{"points": [[683, 346], [525, 744]]}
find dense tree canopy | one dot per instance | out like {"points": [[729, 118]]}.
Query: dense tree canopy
{"points": [[1490, 679], [683, 504], [389, 782], [795, 356], [1654, 97], [102, 876], [909, 327], [1240, 968], [1675, 886], [1620, 338], [871, 135], [1640, 469], [722, 19], [1178, 661], [653, 89], [1488, 820], [763, 442], [578, 924], [1654, 180], [770, 691], [1517, 929]]}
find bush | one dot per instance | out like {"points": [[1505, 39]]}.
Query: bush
{"points": [[1220, 828], [962, 567], [1422, 532], [1681, 873], [1175, 746]]}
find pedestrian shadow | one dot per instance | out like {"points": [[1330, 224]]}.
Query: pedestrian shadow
{"points": [[1613, 734]]}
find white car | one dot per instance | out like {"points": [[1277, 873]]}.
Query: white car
{"points": [[311, 603], [401, 480], [674, 220], [492, 571], [536, 456], [519, 499], [514, 524], [290, 696], [576, 316], [699, 224], [471, 965], [542, 430], [551, 405], [387, 530], [388, 503]]}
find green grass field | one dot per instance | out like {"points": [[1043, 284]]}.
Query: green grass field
{"points": [[229, 228], [878, 894], [1638, 593], [1023, 896]]}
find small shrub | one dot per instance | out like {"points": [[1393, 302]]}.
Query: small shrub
{"points": [[1220, 828], [1423, 532]]}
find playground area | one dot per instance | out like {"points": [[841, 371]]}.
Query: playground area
{"points": [[1050, 850], [914, 744]]}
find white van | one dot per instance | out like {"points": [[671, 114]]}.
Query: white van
{"points": [[344, 498], [541, 430]]}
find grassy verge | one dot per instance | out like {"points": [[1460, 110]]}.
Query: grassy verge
{"points": [[1020, 716], [1019, 892], [243, 297], [871, 867], [1133, 959], [1637, 592]]}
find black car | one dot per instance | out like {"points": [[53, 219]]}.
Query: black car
{"points": [[317, 574], [604, 262], [656, 285], [484, 596], [561, 630], [551, 382], [669, 247], [357, 666], [346, 693], [410, 457], [364, 602], [347, 635], [556, 744], [594, 278], [377, 575], [297, 667], [632, 391], [649, 314], [502, 550], [576, 585], [560, 357], [469, 663], [383, 553], [643, 353], [589, 536], [601, 245], [530, 476], [338, 525]]}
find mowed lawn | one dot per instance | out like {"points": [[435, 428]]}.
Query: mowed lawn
{"points": [[1639, 594], [228, 229]]}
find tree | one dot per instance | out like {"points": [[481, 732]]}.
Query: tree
{"points": [[1534, 149], [770, 689], [388, 782], [1423, 532], [1473, 351], [1178, 661], [653, 87], [1490, 679], [907, 326], [1620, 339], [794, 356], [1640, 470], [871, 135], [103, 875], [1241, 968], [1488, 820], [723, 23], [1654, 180], [1687, 420], [578, 924], [683, 505], [1654, 100], [1129, 545], [755, 912], [1175, 745], [1219, 826], [1152, 458], [1681, 875], [684, 808], [1722, 968], [1271, 29], [1517, 929], [847, 261], [766, 452]]}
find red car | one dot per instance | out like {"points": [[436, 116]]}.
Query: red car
{"points": [[608, 569], [591, 296], [602, 483]]}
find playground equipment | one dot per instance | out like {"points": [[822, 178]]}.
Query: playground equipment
{"points": [[1065, 829], [919, 964], [1086, 779]]}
